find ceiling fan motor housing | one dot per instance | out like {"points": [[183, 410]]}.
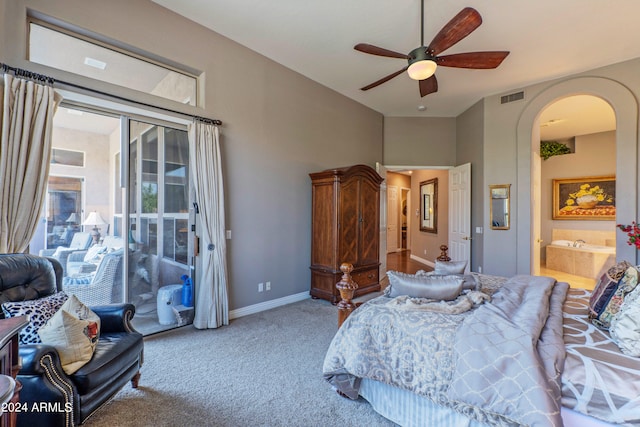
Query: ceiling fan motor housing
{"points": [[420, 54]]}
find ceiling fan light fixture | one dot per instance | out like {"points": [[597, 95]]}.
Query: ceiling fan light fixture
{"points": [[421, 64], [423, 69]]}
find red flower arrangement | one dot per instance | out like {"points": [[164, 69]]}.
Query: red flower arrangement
{"points": [[633, 231]]}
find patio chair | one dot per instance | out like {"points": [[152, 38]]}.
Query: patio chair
{"points": [[104, 286], [80, 241]]}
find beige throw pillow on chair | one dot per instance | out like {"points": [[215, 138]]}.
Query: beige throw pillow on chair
{"points": [[73, 331]]}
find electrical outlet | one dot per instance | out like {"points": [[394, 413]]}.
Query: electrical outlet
{"points": [[268, 286], [479, 269], [425, 251], [228, 234], [260, 287]]}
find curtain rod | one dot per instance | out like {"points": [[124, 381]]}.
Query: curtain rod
{"points": [[19, 72]]}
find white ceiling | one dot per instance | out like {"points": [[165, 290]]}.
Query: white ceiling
{"points": [[547, 39]]}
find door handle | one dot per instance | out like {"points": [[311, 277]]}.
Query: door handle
{"points": [[467, 238]]}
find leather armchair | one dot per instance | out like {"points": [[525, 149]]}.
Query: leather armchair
{"points": [[116, 361]]}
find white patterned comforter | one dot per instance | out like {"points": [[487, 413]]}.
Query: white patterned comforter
{"points": [[499, 363]]}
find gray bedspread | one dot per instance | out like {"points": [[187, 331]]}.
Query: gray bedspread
{"points": [[499, 363]]}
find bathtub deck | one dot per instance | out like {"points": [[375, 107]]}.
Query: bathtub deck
{"points": [[574, 281]]}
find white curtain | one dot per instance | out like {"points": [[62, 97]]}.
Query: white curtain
{"points": [[25, 152], [211, 300]]}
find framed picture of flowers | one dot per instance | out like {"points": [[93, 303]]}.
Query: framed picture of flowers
{"points": [[591, 198]]}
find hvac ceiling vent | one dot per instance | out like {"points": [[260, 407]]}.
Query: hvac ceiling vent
{"points": [[517, 96]]}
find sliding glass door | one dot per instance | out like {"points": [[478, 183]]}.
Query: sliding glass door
{"points": [[158, 220], [134, 177]]}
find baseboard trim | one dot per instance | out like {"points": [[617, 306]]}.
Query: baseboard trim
{"points": [[423, 261], [268, 305]]}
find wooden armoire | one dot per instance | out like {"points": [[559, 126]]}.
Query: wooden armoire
{"points": [[345, 228]]}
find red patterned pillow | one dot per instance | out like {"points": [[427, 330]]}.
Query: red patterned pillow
{"points": [[606, 288]]}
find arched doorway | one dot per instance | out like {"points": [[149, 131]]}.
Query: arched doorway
{"points": [[528, 136], [585, 125]]}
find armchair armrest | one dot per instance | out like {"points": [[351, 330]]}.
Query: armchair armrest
{"points": [[32, 354], [77, 256], [115, 317], [46, 252], [44, 380]]}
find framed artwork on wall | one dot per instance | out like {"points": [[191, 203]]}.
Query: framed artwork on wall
{"points": [[590, 198]]}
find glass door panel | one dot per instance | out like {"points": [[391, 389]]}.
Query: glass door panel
{"points": [[158, 216]]}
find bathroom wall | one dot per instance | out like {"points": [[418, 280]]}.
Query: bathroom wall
{"points": [[595, 155]]}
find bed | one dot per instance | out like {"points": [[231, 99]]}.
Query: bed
{"points": [[525, 353]]}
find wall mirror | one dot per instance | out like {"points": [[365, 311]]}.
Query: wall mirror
{"points": [[499, 206], [429, 205]]}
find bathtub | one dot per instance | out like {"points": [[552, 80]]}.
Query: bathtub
{"points": [[584, 246], [585, 260]]}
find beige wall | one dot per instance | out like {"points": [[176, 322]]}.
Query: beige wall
{"points": [[278, 127]]}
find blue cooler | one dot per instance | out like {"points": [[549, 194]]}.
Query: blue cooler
{"points": [[168, 297]]}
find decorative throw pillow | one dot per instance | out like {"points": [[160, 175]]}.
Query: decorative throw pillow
{"points": [[627, 283], [606, 287], [469, 281], [625, 325], [436, 287], [450, 267], [94, 252], [73, 331], [39, 311]]}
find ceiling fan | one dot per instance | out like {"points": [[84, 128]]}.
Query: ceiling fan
{"points": [[424, 60]]}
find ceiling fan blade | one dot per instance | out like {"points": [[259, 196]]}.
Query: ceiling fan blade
{"points": [[375, 50], [467, 20], [428, 86], [384, 79], [479, 60]]}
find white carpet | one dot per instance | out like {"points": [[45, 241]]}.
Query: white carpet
{"points": [[262, 370]]}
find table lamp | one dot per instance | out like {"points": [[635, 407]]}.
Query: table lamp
{"points": [[95, 219]]}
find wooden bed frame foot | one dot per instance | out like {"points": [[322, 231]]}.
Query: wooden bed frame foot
{"points": [[347, 288]]}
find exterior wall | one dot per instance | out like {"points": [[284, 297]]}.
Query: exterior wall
{"points": [[96, 168], [278, 126]]}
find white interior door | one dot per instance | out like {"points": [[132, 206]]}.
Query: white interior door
{"points": [[392, 219], [460, 213], [382, 171]]}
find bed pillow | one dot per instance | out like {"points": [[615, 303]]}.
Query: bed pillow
{"points": [[73, 331], [450, 267], [39, 311], [436, 287], [469, 281], [605, 288], [627, 283], [625, 325]]}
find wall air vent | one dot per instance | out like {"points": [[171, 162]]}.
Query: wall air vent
{"points": [[517, 96]]}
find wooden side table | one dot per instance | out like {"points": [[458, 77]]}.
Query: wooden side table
{"points": [[10, 360]]}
